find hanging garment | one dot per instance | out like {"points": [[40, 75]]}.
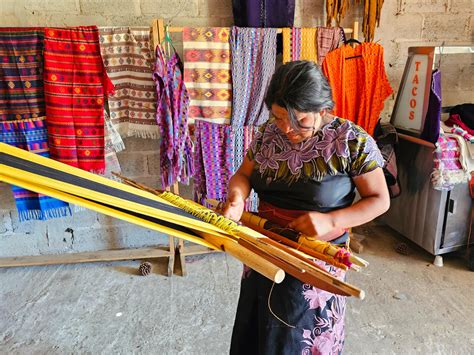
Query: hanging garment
{"points": [[433, 115], [129, 63], [253, 64], [31, 135], [329, 39], [263, 13], [300, 44], [21, 73], [113, 145], [213, 160], [359, 83], [207, 73], [176, 150], [75, 83]]}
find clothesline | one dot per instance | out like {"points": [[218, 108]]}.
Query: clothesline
{"points": [[279, 30]]}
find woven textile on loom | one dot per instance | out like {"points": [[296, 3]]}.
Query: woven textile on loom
{"points": [[176, 150], [299, 44], [21, 73], [129, 63], [31, 135], [359, 83], [213, 159], [207, 73], [75, 82]]}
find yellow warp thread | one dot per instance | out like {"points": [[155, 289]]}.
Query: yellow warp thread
{"points": [[309, 46], [201, 212]]}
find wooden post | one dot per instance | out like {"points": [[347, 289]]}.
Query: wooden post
{"points": [[355, 30]]}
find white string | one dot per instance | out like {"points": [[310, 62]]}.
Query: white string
{"points": [[270, 309]]}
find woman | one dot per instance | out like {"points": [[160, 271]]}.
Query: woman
{"points": [[305, 165]]}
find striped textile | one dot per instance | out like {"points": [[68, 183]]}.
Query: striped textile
{"points": [[129, 62], [21, 73], [253, 63], [74, 85], [31, 135], [329, 38], [300, 44], [207, 73], [213, 159]]}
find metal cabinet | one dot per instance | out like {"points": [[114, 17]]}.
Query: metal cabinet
{"points": [[438, 221]]}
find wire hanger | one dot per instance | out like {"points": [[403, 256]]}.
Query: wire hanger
{"points": [[438, 64], [352, 40], [167, 41]]}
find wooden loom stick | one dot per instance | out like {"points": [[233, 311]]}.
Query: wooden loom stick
{"points": [[265, 247], [289, 262], [307, 242], [247, 257], [281, 239], [333, 286]]}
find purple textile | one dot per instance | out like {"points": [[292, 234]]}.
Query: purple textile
{"points": [[213, 159], [263, 13], [176, 159], [433, 116]]}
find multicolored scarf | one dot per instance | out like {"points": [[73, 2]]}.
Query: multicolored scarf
{"points": [[176, 159], [129, 63], [213, 160], [75, 82], [21, 73], [207, 73], [31, 135], [300, 44]]}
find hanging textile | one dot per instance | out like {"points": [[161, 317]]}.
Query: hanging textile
{"points": [[263, 13], [433, 115], [74, 85], [213, 160], [359, 83], [207, 73], [129, 63], [300, 44], [31, 135], [329, 39], [113, 145], [21, 73], [176, 158]]}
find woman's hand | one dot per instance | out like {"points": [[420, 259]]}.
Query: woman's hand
{"points": [[234, 206], [314, 224]]}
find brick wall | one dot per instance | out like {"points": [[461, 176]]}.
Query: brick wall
{"points": [[404, 23]]}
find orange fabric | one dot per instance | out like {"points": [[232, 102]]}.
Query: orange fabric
{"points": [[359, 85]]}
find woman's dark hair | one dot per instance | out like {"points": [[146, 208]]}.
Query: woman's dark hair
{"points": [[299, 86]]}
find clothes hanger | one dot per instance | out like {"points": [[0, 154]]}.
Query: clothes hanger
{"points": [[350, 41], [167, 41]]}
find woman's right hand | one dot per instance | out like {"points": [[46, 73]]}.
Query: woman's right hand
{"points": [[234, 206]]}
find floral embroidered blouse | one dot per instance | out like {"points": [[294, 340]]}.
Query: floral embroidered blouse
{"points": [[316, 174]]}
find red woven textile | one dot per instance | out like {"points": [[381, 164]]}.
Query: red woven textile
{"points": [[75, 82]]}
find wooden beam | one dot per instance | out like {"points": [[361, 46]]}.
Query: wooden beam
{"points": [[86, 257]]}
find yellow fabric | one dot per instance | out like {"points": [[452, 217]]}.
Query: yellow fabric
{"points": [[304, 49]]}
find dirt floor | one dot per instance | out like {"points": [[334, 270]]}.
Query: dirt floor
{"points": [[411, 306]]}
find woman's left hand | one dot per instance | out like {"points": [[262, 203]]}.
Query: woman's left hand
{"points": [[314, 224]]}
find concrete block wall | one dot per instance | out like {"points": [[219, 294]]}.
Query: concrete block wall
{"points": [[404, 23]]}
